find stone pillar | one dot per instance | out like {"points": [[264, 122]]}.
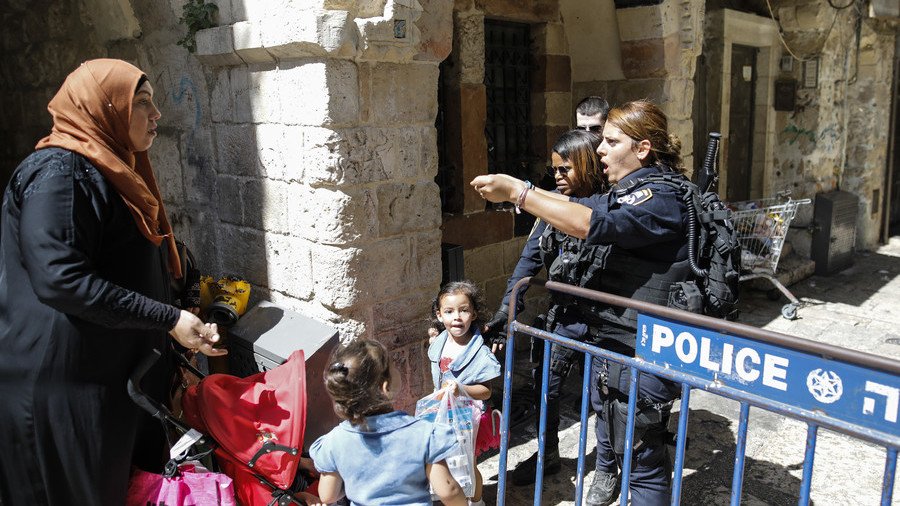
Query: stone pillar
{"points": [[324, 121], [660, 44]]}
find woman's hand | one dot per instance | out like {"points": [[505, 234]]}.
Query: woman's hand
{"points": [[498, 187], [193, 334]]}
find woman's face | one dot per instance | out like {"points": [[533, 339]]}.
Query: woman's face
{"points": [[620, 154], [144, 115], [569, 180]]}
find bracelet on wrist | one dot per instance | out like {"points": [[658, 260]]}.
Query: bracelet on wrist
{"points": [[521, 200]]}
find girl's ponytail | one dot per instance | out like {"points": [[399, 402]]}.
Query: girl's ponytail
{"points": [[354, 381]]}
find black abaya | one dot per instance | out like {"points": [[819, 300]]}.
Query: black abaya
{"points": [[79, 307]]}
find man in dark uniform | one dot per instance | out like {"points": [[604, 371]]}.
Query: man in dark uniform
{"points": [[634, 244]]}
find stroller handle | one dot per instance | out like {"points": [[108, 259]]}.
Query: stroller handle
{"points": [[148, 404]]}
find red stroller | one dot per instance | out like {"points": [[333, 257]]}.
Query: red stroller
{"points": [[256, 425]]}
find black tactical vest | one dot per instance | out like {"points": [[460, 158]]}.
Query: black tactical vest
{"points": [[610, 269]]}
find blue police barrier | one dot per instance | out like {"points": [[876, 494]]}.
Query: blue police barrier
{"points": [[855, 393]]}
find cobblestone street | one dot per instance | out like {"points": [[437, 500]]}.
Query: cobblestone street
{"points": [[856, 308]]}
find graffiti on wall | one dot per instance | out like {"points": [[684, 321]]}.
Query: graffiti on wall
{"points": [[826, 139]]}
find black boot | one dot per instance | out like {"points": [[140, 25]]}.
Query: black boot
{"points": [[603, 490]]}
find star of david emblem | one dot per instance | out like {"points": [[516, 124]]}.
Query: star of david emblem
{"points": [[825, 386]]}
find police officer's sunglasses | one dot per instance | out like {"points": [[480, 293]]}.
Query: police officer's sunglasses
{"points": [[592, 128], [551, 171]]}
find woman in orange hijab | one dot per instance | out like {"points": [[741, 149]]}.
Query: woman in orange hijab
{"points": [[87, 256]]}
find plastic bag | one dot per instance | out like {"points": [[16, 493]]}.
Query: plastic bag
{"points": [[192, 485], [463, 414]]}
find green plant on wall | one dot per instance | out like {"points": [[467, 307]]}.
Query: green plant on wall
{"points": [[197, 15]]}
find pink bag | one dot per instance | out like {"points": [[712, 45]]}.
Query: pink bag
{"points": [[488, 436], [190, 487]]}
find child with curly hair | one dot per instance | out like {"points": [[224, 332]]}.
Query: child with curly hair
{"points": [[378, 455]]}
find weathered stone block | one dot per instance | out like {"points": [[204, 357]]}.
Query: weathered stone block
{"points": [[272, 206], [390, 35], [492, 227], [290, 266], [403, 320], [648, 22], [230, 205], [361, 155], [248, 43], [370, 8], [435, 30], [468, 47], [326, 92], [484, 263], [338, 34], [291, 35], [552, 73], [328, 216], [166, 159], [552, 108], [494, 289], [216, 47], [383, 264], [550, 38], [248, 261], [404, 208], [425, 267], [221, 104], [255, 94], [237, 153], [650, 57], [404, 94], [512, 252], [337, 276], [679, 99], [429, 162]]}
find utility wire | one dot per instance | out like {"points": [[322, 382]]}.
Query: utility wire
{"points": [[784, 42]]}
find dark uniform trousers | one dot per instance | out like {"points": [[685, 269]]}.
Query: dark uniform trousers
{"points": [[650, 481], [651, 474]]}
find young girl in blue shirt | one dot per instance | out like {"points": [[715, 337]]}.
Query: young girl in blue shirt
{"points": [[458, 355], [378, 455]]}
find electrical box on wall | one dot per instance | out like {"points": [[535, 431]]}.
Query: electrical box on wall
{"points": [[785, 95]]}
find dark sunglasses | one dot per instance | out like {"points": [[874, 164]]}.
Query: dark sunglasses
{"points": [[551, 171], [593, 128]]}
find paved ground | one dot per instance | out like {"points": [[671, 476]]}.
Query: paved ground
{"points": [[856, 308]]}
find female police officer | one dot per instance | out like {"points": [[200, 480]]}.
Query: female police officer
{"points": [[634, 245]]}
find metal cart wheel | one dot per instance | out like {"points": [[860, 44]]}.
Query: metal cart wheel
{"points": [[789, 311]]}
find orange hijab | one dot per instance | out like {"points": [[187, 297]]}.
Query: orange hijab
{"points": [[91, 116]]}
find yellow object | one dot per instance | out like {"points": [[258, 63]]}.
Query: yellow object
{"points": [[225, 300]]}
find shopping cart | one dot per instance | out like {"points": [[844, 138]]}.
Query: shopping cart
{"points": [[762, 226]]}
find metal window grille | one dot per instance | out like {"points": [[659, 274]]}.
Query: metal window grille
{"points": [[507, 79]]}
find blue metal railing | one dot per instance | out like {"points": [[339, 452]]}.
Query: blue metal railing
{"points": [[867, 377]]}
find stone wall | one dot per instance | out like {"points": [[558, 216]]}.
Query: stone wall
{"points": [[41, 42], [835, 137], [659, 45], [325, 131]]}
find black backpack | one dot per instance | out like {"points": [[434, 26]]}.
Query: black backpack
{"points": [[714, 251]]}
